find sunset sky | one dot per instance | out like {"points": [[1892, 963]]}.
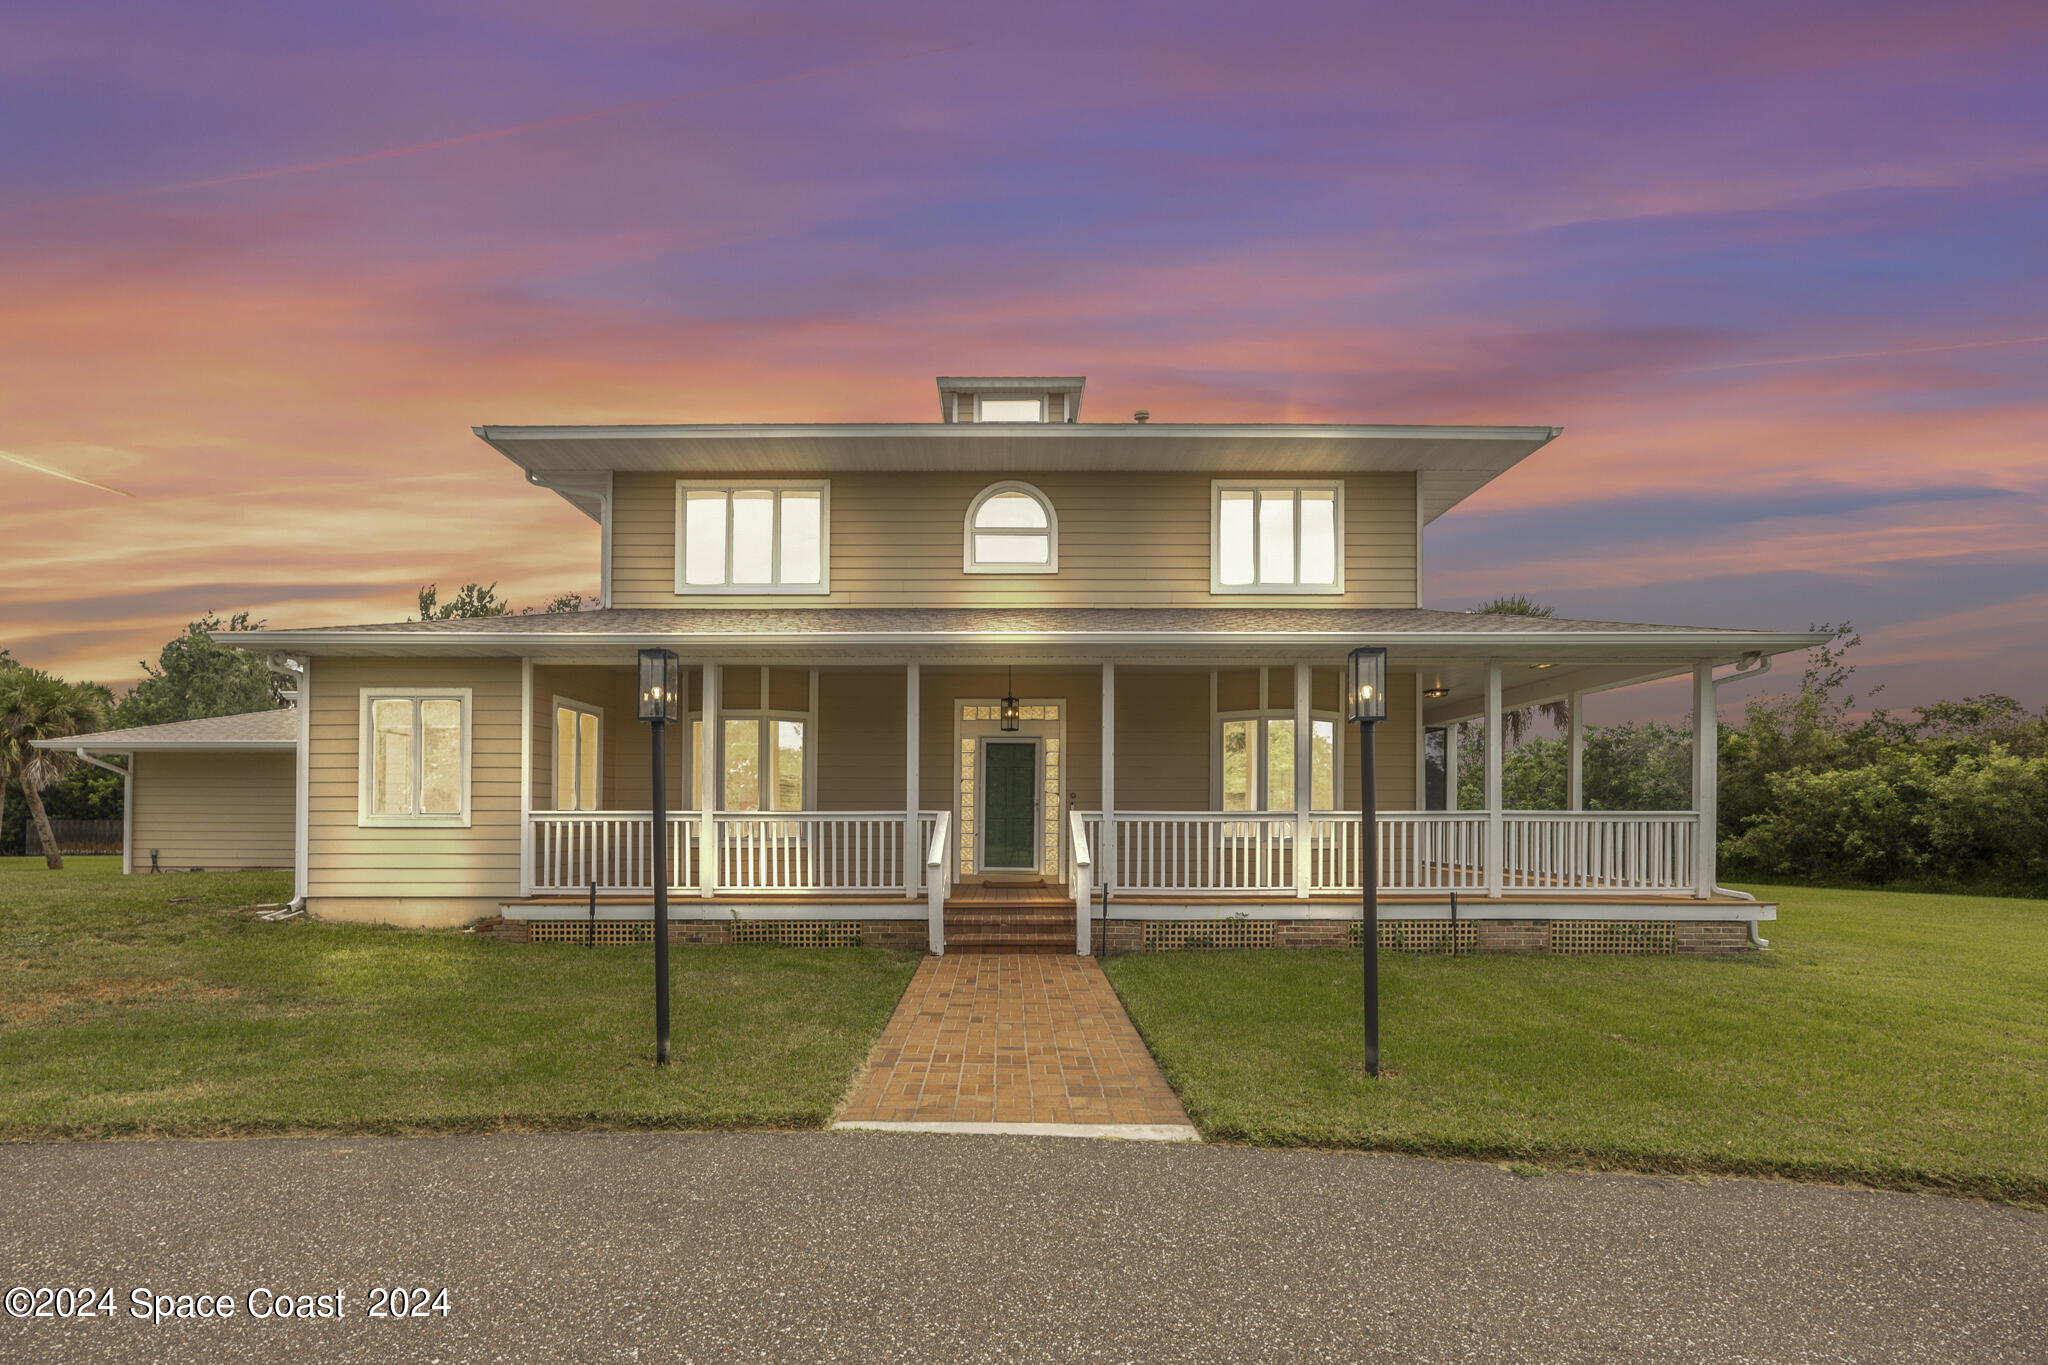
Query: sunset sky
{"points": [[1779, 270]]}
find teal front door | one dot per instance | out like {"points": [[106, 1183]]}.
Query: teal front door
{"points": [[1009, 784]]}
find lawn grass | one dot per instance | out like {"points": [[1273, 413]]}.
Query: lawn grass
{"points": [[1888, 1039], [123, 1014]]}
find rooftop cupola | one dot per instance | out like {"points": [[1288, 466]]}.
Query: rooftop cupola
{"points": [[1005, 398]]}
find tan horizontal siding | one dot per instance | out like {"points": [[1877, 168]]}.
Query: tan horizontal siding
{"points": [[860, 741], [1131, 540], [482, 860], [1163, 743], [213, 810]]}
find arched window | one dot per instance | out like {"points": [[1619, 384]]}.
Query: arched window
{"points": [[1011, 528]]}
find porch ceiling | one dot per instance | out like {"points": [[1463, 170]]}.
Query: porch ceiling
{"points": [[1455, 645]]}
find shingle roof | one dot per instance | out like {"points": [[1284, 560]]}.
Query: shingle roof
{"points": [[1115, 621], [250, 730]]}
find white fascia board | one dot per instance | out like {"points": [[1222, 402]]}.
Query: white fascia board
{"points": [[111, 745]]}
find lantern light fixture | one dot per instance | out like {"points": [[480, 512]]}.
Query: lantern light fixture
{"points": [[1543, 665], [1433, 693], [660, 674], [1366, 699], [1013, 714]]}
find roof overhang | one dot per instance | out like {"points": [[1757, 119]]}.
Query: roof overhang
{"points": [[110, 742], [1573, 661], [1450, 463]]}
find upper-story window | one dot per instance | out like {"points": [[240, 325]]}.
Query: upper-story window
{"points": [[739, 538], [1011, 528], [1276, 538], [1030, 409]]}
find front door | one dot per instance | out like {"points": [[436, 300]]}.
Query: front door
{"points": [[1009, 784]]}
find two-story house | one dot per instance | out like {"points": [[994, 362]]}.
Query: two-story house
{"points": [[948, 679]]}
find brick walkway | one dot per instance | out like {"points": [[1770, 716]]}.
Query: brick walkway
{"points": [[1012, 1038]]}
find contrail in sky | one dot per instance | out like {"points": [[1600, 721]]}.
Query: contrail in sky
{"points": [[492, 133], [1873, 355], [60, 474]]}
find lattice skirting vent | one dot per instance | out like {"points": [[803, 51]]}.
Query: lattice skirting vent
{"points": [[799, 933], [1167, 935], [1422, 936], [1632, 936], [611, 933]]}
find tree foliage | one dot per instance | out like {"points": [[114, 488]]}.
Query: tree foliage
{"points": [[35, 705], [196, 676], [478, 599]]}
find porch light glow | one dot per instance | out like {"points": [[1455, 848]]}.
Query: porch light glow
{"points": [[659, 683], [1013, 715], [1367, 698], [1435, 692], [1543, 665]]}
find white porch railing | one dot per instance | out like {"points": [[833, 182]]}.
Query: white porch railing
{"points": [[827, 852], [1198, 851], [857, 852], [1589, 852], [614, 848]]}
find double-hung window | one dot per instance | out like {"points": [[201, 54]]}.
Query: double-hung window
{"points": [[736, 538], [1276, 538], [579, 755], [415, 757]]}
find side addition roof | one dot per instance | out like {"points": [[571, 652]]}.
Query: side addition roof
{"points": [[252, 731]]}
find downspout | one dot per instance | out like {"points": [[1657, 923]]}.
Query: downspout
{"points": [[604, 528], [1741, 674], [287, 666]]}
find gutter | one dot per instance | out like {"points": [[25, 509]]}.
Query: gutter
{"points": [[604, 522], [127, 807], [295, 669]]}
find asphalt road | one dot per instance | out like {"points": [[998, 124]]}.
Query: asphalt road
{"points": [[896, 1247]]}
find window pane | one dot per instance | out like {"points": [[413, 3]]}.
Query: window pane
{"points": [[587, 751], [1323, 738], [441, 757], [789, 765], [1237, 789], [1234, 539], [743, 765], [802, 519], [391, 756], [565, 758], [1276, 536], [704, 538], [1012, 409], [1318, 537], [1010, 509], [1016, 549], [1279, 765], [753, 537]]}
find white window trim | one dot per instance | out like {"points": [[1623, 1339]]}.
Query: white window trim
{"points": [[1218, 487], [581, 708], [981, 398], [366, 755], [763, 716], [969, 564], [1268, 711], [822, 487]]}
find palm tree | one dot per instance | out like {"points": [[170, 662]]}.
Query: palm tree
{"points": [[1516, 723], [36, 705]]}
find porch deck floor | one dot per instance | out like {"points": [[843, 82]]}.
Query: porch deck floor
{"points": [[1012, 1039]]}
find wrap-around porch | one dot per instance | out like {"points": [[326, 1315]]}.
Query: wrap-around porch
{"points": [[1134, 784]]}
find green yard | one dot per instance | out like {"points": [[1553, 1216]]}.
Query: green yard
{"points": [[122, 1013], [1891, 1039]]}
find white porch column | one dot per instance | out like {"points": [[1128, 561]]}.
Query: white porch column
{"points": [[525, 780], [1706, 779], [1575, 754], [1453, 733], [913, 850], [710, 783], [1495, 744], [1105, 856], [1304, 778]]}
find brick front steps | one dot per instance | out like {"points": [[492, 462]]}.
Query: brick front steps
{"points": [[1038, 925]]}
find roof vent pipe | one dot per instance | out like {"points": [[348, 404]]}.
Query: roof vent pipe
{"points": [[1141, 417]]}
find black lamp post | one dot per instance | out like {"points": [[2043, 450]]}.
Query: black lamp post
{"points": [[659, 682], [1366, 707]]}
